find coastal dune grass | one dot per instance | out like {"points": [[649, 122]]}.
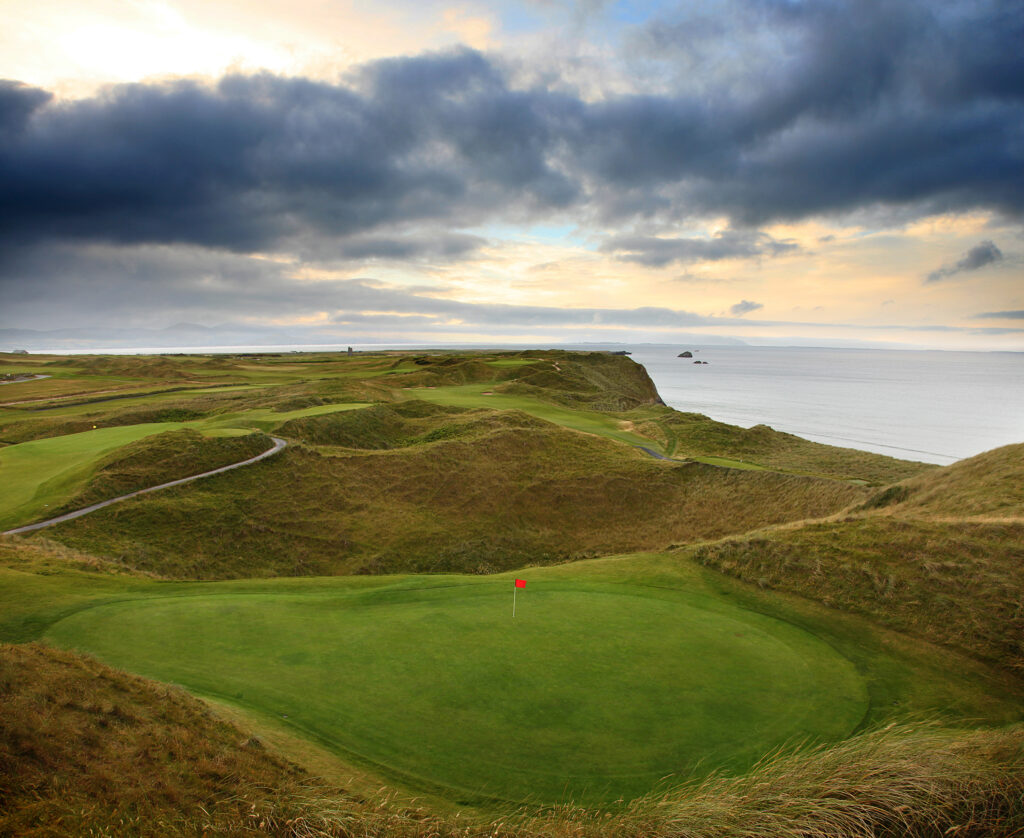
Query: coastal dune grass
{"points": [[502, 492], [987, 486], [906, 558]]}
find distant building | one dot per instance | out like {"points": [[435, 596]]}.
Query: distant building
{"points": [[350, 350], [19, 352]]}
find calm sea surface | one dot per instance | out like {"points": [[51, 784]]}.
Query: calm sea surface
{"points": [[935, 407]]}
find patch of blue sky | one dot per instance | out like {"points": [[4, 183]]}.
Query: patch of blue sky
{"points": [[633, 11], [522, 18], [556, 234]]}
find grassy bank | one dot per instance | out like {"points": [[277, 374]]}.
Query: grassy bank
{"points": [[505, 494]]}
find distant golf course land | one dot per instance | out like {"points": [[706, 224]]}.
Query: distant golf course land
{"points": [[687, 615]]}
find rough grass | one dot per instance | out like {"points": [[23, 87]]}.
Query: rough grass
{"points": [[85, 749], [693, 435], [957, 584], [160, 459], [508, 494], [940, 556], [987, 485], [88, 750]]}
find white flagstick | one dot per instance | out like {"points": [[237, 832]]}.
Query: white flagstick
{"points": [[515, 587]]}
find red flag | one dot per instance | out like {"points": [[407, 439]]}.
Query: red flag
{"points": [[520, 583]]}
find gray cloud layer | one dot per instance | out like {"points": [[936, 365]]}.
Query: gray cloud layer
{"points": [[744, 307], [977, 257], [657, 252], [823, 108], [892, 103]]}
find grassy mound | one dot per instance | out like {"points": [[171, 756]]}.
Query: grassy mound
{"points": [[162, 458], [386, 426], [41, 475], [958, 584], [692, 434], [987, 485], [501, 497], [88, 750]]}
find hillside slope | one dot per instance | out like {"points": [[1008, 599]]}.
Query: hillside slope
{"points": [[940, 555], [693, 434], [990, 484], [479, 492], [87, 750]]}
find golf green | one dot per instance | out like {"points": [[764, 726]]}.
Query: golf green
{"points": [[593, 692]]}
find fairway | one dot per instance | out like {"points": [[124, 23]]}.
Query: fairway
{"points": [[481, 395], [44, 473], [594, 692]]}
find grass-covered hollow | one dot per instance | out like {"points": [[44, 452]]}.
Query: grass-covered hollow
{"points": [[593, 692]]}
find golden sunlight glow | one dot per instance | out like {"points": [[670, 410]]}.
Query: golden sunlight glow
{"points": [[73, 48]]}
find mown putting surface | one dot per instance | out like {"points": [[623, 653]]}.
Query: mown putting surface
{"points": [[594, 692]]}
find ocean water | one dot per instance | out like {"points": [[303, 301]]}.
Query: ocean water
{"points": [[935, 407]]}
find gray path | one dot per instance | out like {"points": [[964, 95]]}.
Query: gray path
{"points": [[29, 378], [278, 445], [653, 453]]}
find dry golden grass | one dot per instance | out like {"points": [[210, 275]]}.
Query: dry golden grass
{"points": [[957, 584], [692, 434], [990, 485], [504, 492], [88, 750]]}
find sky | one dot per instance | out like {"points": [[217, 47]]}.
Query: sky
{"points": [[536, 172]]}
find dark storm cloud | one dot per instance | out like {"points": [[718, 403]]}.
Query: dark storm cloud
{"points": [[17, 102], [803, 108], [744, 307], [977, 257], [258, 160], [797, 109], [656, 252]]}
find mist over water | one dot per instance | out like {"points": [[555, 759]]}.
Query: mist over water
{"points": [[936, 407]]}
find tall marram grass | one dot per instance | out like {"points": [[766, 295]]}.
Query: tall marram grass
{"points": [[903, 781]]}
